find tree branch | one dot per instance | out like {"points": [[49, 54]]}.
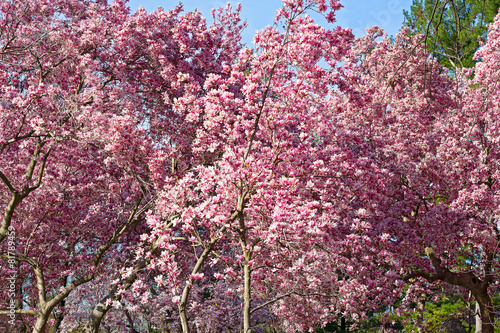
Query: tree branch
{"points": [[40, 172], [411, 277], [117, 234], [40, 282], [19, 311], [7, 183], [465, 279], [9, 212], [263, 305]]}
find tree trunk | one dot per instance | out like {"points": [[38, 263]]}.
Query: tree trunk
{"points": [[95, 318], [247, 298], [131, 322], [487, 315], [59, 318], [185, 293], [100, 310], [182, 309], [479, 322], [41, 323], [342, 324], [420, 313], [247, 255], [19, 299]]}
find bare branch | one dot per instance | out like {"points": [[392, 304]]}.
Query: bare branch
{"points": [[7, 183], [40, 172], [263, 305], [411, 277]]}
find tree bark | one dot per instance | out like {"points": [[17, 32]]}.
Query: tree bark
{"points": [[9, 212], [59, 317], [487, 315], [182, 310], [420, 313], [19, 299], [18, 196], [58, 320], [96, 316], [479, 322], [247, 298], [478, 287], [187, 289], [131, 322], [247, 273], [41, 322]]}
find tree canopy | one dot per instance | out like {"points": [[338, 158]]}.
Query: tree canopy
{"points": [[156, 175], [453, 29]]}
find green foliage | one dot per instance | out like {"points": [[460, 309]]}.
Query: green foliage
{"points": [[452, 313], [452, 28], [372, 324], [447, 315]]}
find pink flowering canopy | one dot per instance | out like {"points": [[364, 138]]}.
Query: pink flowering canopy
{"points": [[157, 174]]}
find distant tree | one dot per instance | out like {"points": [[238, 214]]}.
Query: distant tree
{"points": [[452, 27]]}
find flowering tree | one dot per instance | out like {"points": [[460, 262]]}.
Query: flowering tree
{"points": [[434, 135], [71, 188], [268, 187], [148, 161], [82, 109]]}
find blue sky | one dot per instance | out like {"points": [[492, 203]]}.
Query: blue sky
{"points": [[356, 14]]}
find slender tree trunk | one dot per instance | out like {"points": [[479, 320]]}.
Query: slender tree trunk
{"points": [[247, 277], [185, 293], [182, 309], [19, 299], [247, 298], [342, 324], [58, 320], [100, 310], [131, 322], [60, 316], [420, 313]]}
